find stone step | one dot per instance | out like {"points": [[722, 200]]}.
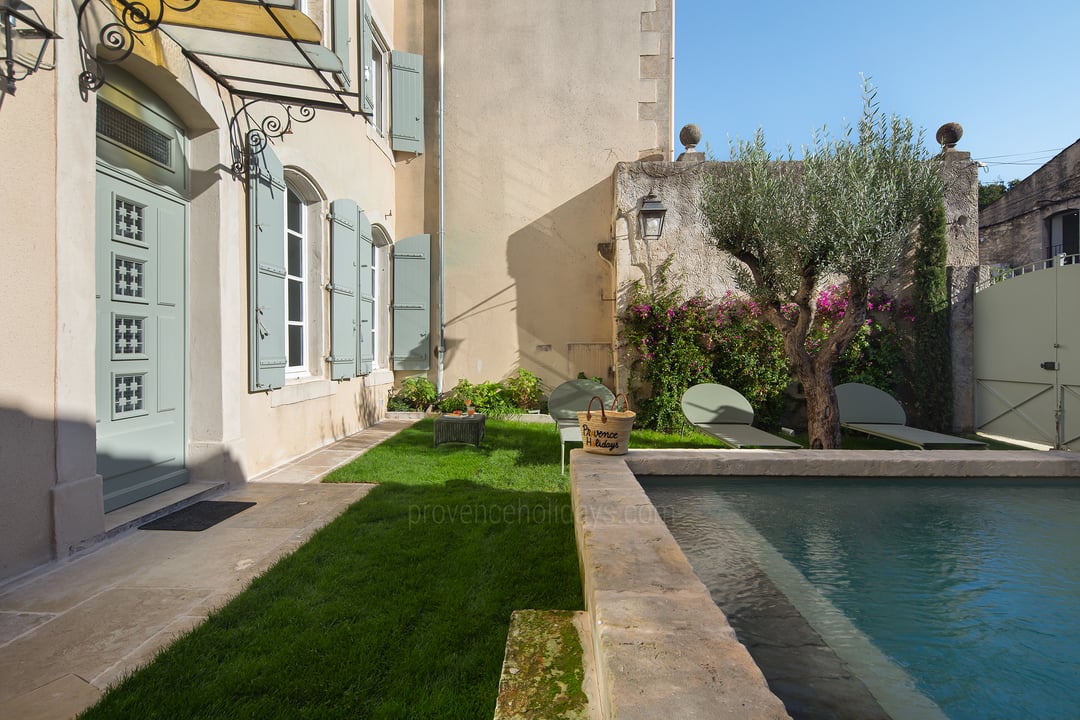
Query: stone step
{"points": [[543, 674]]}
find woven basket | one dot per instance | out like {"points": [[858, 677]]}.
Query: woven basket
{"points": [[606, 432]]}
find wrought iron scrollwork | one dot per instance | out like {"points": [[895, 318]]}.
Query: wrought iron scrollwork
{"points": [[248, 141], [122, 24]]}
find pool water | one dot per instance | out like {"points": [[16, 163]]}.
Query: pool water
{"points": [[955, 599]]}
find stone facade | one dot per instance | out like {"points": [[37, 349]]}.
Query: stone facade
{"points": [[1013, 231]]}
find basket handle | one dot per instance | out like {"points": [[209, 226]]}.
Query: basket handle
{"points": [[588, 411], [615, 401]]}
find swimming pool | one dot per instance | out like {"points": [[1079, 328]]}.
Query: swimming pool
{"points": [[954, 599]]}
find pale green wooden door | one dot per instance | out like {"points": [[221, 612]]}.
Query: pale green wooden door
{"points": [[141, 352]]}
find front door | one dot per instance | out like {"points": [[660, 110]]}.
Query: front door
{"points": [[140, 357]]}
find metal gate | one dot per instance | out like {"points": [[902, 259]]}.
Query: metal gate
{"points": [[1027, 354]]}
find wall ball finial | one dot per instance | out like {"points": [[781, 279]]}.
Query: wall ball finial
{"points": [[949, 134]]}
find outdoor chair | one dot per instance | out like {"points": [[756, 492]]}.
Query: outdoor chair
{"points": [[564, 403], [872, 411], [724, 413]]}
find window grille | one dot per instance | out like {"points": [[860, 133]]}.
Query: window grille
{"points": [[128, 278], [133, 134], [127, 394], [128, 335], [129, 220]]}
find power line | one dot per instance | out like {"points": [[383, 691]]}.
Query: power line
{"points": [[1052, 151]]}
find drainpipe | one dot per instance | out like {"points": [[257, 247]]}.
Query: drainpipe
{"points": [[441, 350]]}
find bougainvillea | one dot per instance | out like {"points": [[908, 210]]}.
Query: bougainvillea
{"points": [[673, 343]]}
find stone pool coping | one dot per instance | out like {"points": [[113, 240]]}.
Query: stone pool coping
{"points": [[659, 645]]}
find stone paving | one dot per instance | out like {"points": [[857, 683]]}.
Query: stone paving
{"points": [[71, 628]]}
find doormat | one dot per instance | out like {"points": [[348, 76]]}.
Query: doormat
{"points": [[198, 517]]}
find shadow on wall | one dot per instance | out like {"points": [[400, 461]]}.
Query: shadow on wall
{"points": [[42, 516], [564, 301], [27, 475], [370, 408], [499, 299]]}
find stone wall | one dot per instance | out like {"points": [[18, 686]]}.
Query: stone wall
{"points": [[695, 265], [1012, 230]]}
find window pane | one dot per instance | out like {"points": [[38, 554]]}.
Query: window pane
{"points": [[296, 345], [296, 301], [296, 255], [295, 211]]}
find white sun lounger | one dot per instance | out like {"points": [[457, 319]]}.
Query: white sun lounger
{"points": [[869, 410], [724, 413], [564, 403]]}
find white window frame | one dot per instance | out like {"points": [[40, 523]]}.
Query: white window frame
{"points": [[380, 73], [312, 206], [380, 248], [294, 369]]}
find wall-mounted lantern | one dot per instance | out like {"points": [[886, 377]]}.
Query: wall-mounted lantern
{"points": [[24, 38], [651, 217]]}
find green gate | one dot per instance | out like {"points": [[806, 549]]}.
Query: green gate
{"points": [[1027, 354]]}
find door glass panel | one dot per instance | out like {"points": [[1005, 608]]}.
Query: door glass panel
{"points": [[128, 335], [127, 394], [128, 278], [129, 221]]}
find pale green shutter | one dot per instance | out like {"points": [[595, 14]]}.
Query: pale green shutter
{"points": [[412, 300], [341, 39], [366, 336], [343, 281], [367, 82], [407, 88], [266, 267]]}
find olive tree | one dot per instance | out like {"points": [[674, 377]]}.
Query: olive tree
{"points": [[847, 211]]}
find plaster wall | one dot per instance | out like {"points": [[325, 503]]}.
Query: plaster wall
{"points": [[28, 412], [540, 101], [52, 494]]}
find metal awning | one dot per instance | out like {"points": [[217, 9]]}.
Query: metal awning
{"points": [[254, 49]]}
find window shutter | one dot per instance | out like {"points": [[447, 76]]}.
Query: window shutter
{"points": [[407, 88], [366, 336], [341, 39], [266, 266], [367, 82], [412, 300], [342, 287]]}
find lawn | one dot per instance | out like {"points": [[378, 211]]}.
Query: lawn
{"points": [[400, 607]]}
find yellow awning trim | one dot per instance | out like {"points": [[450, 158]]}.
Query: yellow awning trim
{"points": [[245, 18]]}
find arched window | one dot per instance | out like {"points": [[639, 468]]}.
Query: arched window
{"points": [[303, 265]]}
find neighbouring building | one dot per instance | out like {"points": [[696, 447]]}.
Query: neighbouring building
{"points": [[207, 279], [1038, 218]]}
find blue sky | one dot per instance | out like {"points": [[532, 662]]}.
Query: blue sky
{"points": [[1008, 72]]}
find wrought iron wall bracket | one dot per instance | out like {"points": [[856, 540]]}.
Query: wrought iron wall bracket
{"points": [[249, 136], [124, 24], [110, 29]]}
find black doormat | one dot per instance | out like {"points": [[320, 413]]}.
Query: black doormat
{"points": [[198, 517]]}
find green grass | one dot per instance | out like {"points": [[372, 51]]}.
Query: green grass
{"points": [[400, 607]]}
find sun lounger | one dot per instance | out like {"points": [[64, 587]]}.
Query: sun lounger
{"points": [[564, 403], [867, 409], [724, 413]]}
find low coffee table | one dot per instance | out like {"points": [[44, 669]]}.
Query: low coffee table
{"points": [[460, 428]]}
